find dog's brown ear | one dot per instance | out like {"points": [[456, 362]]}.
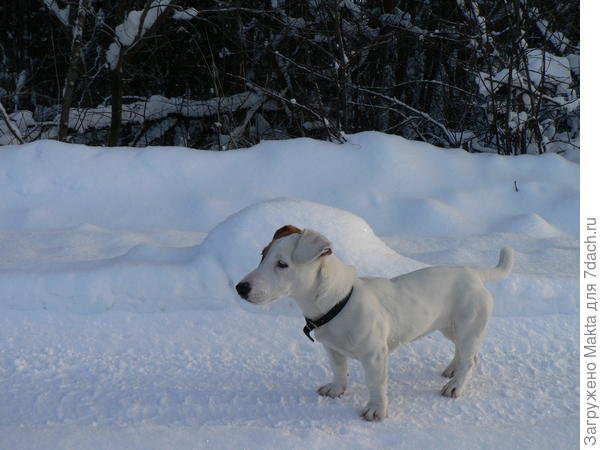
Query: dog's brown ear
{"points": [[311, 246], [284, 231]]}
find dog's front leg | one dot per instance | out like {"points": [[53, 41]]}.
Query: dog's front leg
{"points": [[339, 365], [375, 366]]}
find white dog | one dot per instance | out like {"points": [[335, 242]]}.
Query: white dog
{"points": [[366, 318]]}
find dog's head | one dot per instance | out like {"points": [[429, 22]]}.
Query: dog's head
{"points": [[289, 266]]}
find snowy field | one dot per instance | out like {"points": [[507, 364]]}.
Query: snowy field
{"points": [[120, 327]]}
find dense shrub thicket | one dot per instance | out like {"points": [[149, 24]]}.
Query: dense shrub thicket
{"points": [[487, 75]]}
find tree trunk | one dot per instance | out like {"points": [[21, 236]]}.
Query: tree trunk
{"points": [[73, 72], [342, 74], [116, 105]]}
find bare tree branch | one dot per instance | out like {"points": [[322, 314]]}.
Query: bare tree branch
{"points": [[9, 123]]}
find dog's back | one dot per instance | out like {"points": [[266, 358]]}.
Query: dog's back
{"points": [[432, 298]]}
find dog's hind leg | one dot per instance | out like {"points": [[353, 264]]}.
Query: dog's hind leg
{"points": [[462, 371], [469, 337], [449, 371]]}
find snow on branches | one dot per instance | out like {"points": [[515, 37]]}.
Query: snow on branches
{"points": [[134, 27]]}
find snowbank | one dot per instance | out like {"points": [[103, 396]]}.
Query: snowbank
{"points": [[135, 256], [398, 186], [236, 243]]}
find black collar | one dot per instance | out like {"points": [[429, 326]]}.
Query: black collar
{"points": [[312, 324]]}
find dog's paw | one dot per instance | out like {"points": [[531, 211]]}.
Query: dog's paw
{"points": [[374, 412], [332, 390], [452, 389]]}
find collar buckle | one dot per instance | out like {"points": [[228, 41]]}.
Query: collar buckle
{"points": [[312, 324], [308, 328]]}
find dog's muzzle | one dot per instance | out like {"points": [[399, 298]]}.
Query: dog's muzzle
{"points": [[243, 289]]}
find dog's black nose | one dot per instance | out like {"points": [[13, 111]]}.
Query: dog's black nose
{"points": [[243, 289]]}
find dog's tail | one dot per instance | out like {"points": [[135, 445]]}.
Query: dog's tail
{"points": [[501, 271]]}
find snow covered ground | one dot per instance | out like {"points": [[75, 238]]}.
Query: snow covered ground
{"points": [[120, 327]]}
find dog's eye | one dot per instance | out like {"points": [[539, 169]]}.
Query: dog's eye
{"points": [[281, 264]]}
